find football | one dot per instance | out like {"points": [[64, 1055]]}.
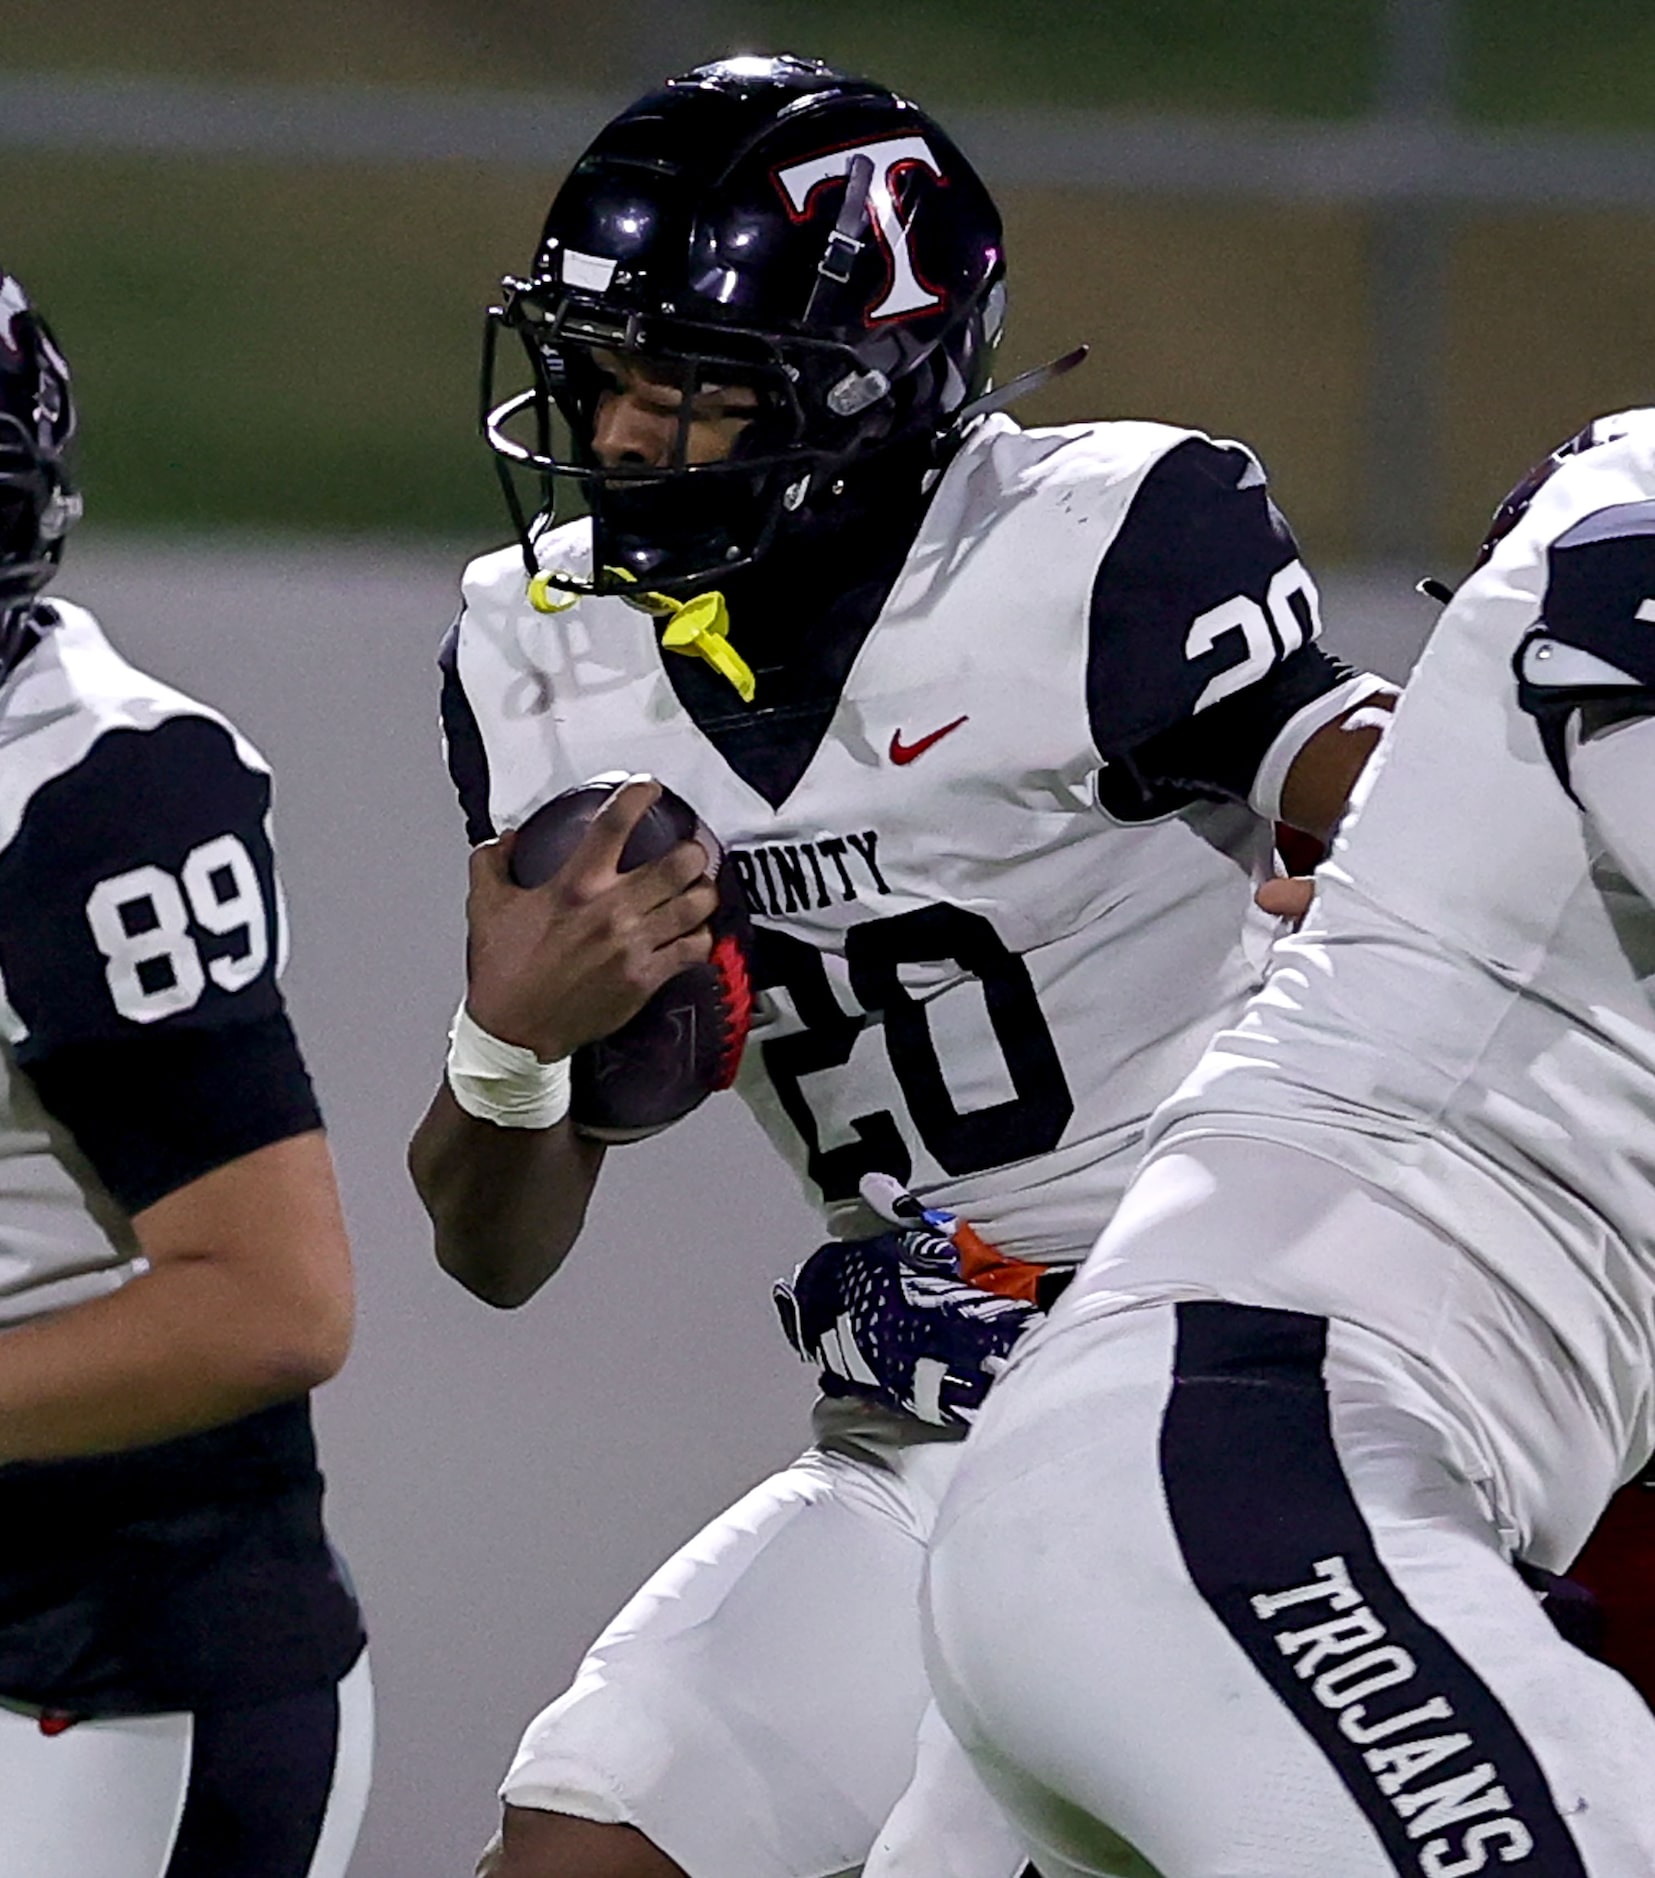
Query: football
{"points": [[687, 1040]]}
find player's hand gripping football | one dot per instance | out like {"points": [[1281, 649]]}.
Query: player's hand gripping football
{"points": [[891, 1320], [562, 964]]}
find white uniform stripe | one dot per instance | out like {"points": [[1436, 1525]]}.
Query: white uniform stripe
{"points": [[102, 1800], [352, 1772]]}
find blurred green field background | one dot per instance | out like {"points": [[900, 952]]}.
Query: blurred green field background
{"points": [[1586, 64], [266, 347]]}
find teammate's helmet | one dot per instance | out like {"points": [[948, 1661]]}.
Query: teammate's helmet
{"points": [[38, 504], [768, 222], [1516, 503]]}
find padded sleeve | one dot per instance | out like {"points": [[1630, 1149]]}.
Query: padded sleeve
{"points": [[1201, 623], [1590, 661], [141, 931]]}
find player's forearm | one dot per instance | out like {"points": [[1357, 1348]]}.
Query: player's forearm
{"points": [[506, 1204], [184, 1347], [1317, 787]]}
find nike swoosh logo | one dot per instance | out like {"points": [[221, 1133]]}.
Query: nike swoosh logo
{"points": [[906, 752]]}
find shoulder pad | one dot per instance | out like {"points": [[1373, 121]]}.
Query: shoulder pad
{"points": [[1067, 457], [495, 580], [137, 887], [1597, 614], [67, 695]]}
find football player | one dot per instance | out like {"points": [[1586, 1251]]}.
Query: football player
{"points": [[183, 1688], [1372, 1334], [995, 724]]}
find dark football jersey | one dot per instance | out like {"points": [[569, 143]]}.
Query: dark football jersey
{"points": [[143, 1043], [141, 931]]}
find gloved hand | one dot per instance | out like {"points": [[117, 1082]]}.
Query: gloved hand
{"points": [[891, 1320]]}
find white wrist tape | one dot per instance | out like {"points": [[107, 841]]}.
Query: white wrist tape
{"points": [[501, 1082]]}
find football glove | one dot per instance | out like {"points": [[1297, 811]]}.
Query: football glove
{"points": [[890, 1319]]}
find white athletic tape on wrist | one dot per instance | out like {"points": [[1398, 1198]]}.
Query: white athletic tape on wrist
{"points": [[502, 1082]]}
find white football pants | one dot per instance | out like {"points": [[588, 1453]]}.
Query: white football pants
{"points": [[756, 1710], [275, 1790], [1214, 1595]]}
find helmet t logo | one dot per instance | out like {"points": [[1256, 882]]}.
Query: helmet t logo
{"points": [[889, 156]]}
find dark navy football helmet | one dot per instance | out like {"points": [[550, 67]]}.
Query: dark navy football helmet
{"points": [[768, 222], [38, 504]]}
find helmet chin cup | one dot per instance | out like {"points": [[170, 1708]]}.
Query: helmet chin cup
{"points": [[763, 221]]}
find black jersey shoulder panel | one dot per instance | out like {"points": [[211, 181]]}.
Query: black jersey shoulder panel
{"points": [[1200, 535], [139, 891]]}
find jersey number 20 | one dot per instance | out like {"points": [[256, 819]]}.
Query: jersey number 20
{"points": [[961, 1142]]}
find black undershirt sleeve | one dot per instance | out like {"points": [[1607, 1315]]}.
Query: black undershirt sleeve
{"points": [[153, 1113]]}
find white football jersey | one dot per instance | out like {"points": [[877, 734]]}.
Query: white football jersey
{"points": [[1465, 1018], [136, 897], [976, 977]]}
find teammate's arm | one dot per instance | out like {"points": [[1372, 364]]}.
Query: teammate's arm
{"points": [[1320, 778], [140, 935], [550, 968], [247, 1302]]}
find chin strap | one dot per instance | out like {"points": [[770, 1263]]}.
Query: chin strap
{"points": [[20, 631], [540, 597], [1020, 387], [698, 628]]}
